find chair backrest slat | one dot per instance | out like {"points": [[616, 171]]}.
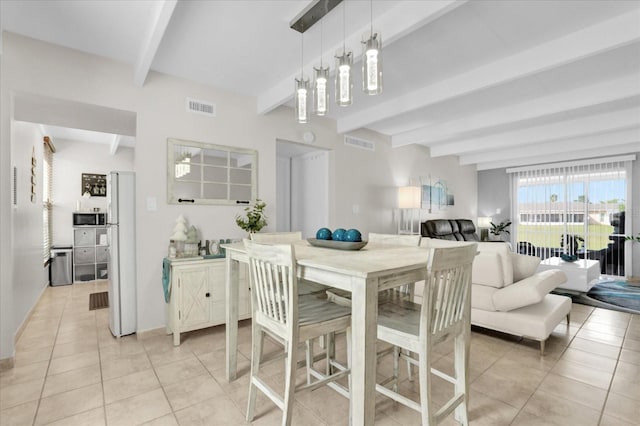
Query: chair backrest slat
{"points": [[272, 271], [448, 286]]}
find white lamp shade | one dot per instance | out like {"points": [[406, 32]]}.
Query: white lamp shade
{"points": [[302, 96], [320, 90], [344, 83], [409, 197], [372, 63], [484, 222]]}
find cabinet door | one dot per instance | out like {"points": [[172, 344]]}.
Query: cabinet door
{"points": [[84, 237], [217, 277], [102, 254], [84, 255], [195, 306], [244, 293]]}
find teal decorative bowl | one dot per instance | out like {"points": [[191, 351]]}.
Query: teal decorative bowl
{"points": [[568, 257]]}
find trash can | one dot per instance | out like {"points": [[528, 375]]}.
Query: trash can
{"points": [[61, 264]]}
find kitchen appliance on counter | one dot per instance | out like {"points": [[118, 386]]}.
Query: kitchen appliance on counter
{"points": [[89, 219], [122, 262]]}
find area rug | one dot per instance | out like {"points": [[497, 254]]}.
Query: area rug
{"points": [[98, 300], [617, 293]]}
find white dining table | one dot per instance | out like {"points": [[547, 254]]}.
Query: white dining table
{"points": [[362, 272]]}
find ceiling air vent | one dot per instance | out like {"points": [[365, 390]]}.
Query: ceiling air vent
{"points": [[201, 107], [360, 143]]}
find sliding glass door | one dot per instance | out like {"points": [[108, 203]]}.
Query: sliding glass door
{"points": [[573, 208]]}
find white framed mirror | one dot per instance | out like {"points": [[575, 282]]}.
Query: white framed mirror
{"points": [[205, 173]]}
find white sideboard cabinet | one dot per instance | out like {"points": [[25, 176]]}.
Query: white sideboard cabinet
{"points": [[197, 297]]}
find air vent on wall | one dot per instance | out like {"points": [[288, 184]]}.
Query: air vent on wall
{"points": [[360, 143], [201, 107]]}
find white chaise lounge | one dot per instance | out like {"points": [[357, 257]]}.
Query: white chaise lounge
{"points": [[507, 294]]}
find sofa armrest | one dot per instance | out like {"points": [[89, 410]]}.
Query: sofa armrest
{"points": [[528, 291]]}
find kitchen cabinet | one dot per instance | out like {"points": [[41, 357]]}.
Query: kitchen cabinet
{"points": [[197, 296], [90, 253]]}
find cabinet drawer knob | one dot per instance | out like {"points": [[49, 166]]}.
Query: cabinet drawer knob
{"points": [[207, 294]]}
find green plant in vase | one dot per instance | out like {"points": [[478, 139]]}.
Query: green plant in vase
{"points": [[501, 228], [254, 219]]}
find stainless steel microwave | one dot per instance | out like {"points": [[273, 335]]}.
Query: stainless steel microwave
{"points": [[89, 219]]}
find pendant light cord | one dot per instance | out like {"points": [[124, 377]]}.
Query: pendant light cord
{"points": [[301, 56], [321, 44], [371, 10], [344, 27]]}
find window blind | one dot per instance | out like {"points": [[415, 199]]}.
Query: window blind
{"points": [[573, 208], [47, 199]]}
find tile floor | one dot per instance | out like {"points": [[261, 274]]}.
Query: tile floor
{"points": [[69, 370]]}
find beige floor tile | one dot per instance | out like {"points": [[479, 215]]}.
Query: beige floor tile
{"points": [[509, 390], [525, 418], [19, 415], [573, 390], [180, 370], [602, 327], [123, 348], [29, 356], [70, 380], [166, 420], [553, 409], [73, 362], [191, 391], [622, 407], [594, 361], [596, 336], [626, 380], [608, 420], [595, 347], [130, 385], [94, 417], [221, 408], [583, 373], [484, 410], [138, 409], [20, 393], [75, 347], [124, 365], [66, 404], [25, 373], [632, 344], [632, 357]]}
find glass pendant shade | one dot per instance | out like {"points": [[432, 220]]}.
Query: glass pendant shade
{"points": [[302, 100], [320, 92], [372, 63], [344, 82]]}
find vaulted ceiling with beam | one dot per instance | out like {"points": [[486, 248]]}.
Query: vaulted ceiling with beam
{"points": [[496, 83]]}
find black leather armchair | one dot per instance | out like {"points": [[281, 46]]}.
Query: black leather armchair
{"points": [[450, 229]]}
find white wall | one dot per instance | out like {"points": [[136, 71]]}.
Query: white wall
{"points": [[30, 275], [358, 177], [72, 158], [310, 193]]}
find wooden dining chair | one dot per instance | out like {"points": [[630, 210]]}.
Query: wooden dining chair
{"points": [[280, 311], [445, 313], [304, 287]]}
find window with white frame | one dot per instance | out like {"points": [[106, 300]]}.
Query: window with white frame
{"points": [[573, 208]]}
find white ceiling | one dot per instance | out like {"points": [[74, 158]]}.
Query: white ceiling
{"points": [[497, 83]]}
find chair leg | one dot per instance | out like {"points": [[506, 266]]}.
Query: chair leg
{"points": [[396, 365], [330, 351], [568, 318], [461, 375], [542, 342], [290, 381], [424, 377], [309, 359], [256, 354], [349, 367], [409, 366]]}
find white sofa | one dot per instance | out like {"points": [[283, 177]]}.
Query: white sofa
{"points": [[507, 294]]}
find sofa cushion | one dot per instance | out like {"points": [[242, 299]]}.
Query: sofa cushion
{"points": [[523, 266], [528, 291], [487, 270], [467, 230], [534, 321], [482, 297], [503, 251]]}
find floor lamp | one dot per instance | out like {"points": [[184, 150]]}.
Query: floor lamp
{"points": [[408, 202]]}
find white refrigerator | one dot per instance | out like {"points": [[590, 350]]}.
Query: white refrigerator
{"points": [[121, 219]]}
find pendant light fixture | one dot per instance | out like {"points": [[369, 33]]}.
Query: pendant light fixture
{"points": [[320, 82], [344, 64], [372, 61], [301, 91]]}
